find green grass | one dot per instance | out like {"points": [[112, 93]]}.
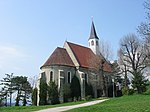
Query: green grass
{"points": [[34, 108], [136, 103]]}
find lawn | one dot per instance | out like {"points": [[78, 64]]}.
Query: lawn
{"points": [[135, 103], [34, 108]]}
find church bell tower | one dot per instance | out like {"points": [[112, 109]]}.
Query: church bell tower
{"points": [[94, 40]]}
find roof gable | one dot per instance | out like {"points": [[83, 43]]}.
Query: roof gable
{"points": [[82, 54], [86, 58], [59, 57]]}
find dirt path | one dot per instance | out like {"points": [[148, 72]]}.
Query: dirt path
{"points": [[65, 108]]}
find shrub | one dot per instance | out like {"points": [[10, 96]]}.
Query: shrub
{"points": [[88, 98], [131, 91], [147, 92], [125, 91], [1, 102]]}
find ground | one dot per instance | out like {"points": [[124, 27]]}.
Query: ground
{"points": [[134, 103]]}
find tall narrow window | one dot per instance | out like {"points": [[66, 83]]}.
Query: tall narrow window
{"points": [[86, 77], [51, 76], [92, 42], [97, 43], [69, 77], [43, 75]]}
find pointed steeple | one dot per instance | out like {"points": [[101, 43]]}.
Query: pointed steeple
{"points": [[94, 40], [93, 34]]}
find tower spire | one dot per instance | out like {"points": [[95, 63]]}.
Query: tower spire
{"points": [[93, 40], [93, 34]]}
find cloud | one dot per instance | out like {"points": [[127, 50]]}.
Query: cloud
{"points": [[12, 59], [10, 52]]}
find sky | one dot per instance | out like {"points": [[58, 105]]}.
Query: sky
{"points": [[30, 30]]}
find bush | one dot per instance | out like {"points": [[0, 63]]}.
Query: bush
{"points": [[131, 91], [125, 91], [147, 92], [1, 102], [88, 98]]}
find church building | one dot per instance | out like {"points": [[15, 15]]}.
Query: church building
{"points": [[86, 63]]}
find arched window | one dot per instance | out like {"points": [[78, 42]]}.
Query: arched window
{"points": [[86, 77], [51, 76], [92, 42], [43, 76], [69, 77]]}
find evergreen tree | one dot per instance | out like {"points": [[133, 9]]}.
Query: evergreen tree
{"points": [[23, 88], [67, 92], [43, 92], [53, 93], [139, 82], [26, 92], [34, 96], [75, 87], [7, 87]]}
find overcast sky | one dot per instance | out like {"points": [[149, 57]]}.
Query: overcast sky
{"points": [[30, 30]]}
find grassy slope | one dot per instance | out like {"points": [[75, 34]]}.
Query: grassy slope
{"points": [[34, 108], [136, 103]]}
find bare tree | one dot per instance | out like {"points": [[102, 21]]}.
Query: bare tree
{"points": [[117, 71], [124, 68], [104, 57], [101, 68], [33, 81], [133, 57], [106, 50], [144, 28]]}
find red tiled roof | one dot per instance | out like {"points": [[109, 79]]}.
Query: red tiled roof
{"points": [[86, 58], [59, 57]]}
